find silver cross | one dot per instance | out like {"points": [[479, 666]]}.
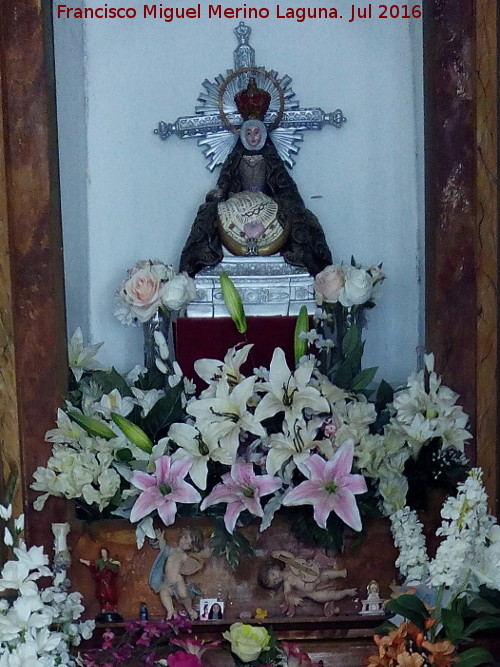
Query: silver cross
{"points": [[215, 137]]}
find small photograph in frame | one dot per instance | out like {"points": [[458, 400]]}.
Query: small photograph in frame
{"points": [[211, 609]]}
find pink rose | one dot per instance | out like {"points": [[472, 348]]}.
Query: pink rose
{"points": [[328, 284], [142, 291], [181, 659]]}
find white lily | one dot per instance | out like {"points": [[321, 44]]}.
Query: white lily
{"points": [[296, 442], [228, 412], [213, 370], [202, 446], [289, 392], [115, 402], [147, 399], [81, 358], [66, 432]]}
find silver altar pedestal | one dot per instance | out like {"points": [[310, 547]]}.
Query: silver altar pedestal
{"points": [[267, 285]]}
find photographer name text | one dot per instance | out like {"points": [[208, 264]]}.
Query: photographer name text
{"points": [[214, 11]]}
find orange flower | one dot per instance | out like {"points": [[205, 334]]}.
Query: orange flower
{"points": [[441, 654], [410, 660]]}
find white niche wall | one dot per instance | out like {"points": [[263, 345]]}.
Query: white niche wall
{"points": [[127, 195]]}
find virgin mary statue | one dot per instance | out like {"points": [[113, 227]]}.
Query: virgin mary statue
{"points": [[256, 208]]}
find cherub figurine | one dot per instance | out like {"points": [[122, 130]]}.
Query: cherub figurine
{"points": [[301, 579], [171, 566]]}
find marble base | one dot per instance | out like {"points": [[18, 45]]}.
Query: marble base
{"points": [[268, 286]]}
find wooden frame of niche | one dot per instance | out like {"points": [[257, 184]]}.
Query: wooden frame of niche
{"points": [[462, 232]]}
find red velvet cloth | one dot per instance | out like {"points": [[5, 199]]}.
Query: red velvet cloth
{"points": [[198, 338]]}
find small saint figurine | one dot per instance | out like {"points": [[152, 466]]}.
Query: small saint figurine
{"points": [[301, 579], [373, 604], [105, 572], [170, 567]]}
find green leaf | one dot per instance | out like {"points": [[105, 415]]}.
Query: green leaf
{"points": [[351, 341], [385, 395], [363, 379], [479, 605], [453, 623], [473, 657], [165, 412], [410, 607], [482, 623], [301, 325], [124, 455], [109, 380]]}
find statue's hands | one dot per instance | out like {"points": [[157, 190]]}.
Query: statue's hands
{"points": [[290, 604]]}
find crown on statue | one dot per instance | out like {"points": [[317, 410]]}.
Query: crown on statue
{"points": [[252, 102]]}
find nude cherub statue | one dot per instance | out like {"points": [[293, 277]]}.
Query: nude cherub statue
{"points": [[301, 579], [172, 564]]}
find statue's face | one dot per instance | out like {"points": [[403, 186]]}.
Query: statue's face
{"points": [[253, 135], [185, 541]]}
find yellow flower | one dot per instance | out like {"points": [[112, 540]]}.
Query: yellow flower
{"points": [[261, 614], [247, 641]]}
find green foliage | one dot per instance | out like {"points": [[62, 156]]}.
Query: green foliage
{"points": [[301, 326], [223, 543], [109, 380], [410, 607], [306, 530], [474, 657], [166, 411]]}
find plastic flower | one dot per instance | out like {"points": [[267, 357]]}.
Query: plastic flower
{"points": [[247, 641], [213, 370], [242, 490], [289, 392], [295, 442], [330, 488], [228, 411], [194, 646], [80, 358], [181, 659], [201, 446], [163, 490]]}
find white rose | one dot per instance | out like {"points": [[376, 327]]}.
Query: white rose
{"points": [[178, 292], [162, 271], [357, 288], [142, 291]]}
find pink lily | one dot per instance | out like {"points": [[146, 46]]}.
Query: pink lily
{"points": [[194, 646], [162, 490], [241, 489], [330, 488]]}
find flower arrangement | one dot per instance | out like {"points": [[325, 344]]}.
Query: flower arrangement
{"points": [[150, 286], [38, 626], [451, 596], [146, 642], [143, 446], [254, 646]]}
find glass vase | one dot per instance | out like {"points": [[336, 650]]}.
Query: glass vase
{"points": [[160, 322]]}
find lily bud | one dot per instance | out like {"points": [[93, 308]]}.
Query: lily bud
{"points": [[233, 302], [131, 431], [302, 324], [91, 425]]}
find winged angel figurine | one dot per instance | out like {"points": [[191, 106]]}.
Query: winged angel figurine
{"points": [[172, 564]]}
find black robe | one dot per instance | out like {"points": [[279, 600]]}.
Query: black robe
{"points": [[306, 245]]}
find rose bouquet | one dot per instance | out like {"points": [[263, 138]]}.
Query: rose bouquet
{"points": [[150, 286], [343, 293], [253, 646]]}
